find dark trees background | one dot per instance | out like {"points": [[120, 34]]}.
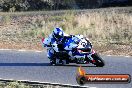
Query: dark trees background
{"points": [[32, 5]]}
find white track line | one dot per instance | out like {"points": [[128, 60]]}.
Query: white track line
{"points": [[37, 51], [5, 49], [128, 56], [23, 50], [117, 56], [109, 55]]}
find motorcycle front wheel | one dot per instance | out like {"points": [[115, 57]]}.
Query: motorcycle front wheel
{"points": [[99, 62]]}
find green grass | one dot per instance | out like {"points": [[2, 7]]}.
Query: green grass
{"points": [[101, 26], [14, 85], [18, 84]]}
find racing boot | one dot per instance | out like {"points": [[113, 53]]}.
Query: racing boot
{"points": [[52, 61]]}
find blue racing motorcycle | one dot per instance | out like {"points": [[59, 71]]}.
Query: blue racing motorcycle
{"points": [[76, 49]]}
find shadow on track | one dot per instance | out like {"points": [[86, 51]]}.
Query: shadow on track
{"points": [[76, 65], [42, 64], [24, 64]]}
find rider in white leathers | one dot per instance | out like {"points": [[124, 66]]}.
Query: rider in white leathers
{"points": [[56, 35]]}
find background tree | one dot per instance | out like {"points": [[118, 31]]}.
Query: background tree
{"points": [[32, 5]]}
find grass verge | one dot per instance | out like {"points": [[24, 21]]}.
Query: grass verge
{"points": [[27, 84], [110, 28]]}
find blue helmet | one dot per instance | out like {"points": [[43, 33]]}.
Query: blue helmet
{"points": [[58, 33]]}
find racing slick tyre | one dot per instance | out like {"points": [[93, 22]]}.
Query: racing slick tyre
{"points": [[99, 62]]}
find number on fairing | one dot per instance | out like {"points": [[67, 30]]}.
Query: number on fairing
{"points": [[83, 44]]}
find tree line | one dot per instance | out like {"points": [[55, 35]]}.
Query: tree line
{"points": [[32, 5]]}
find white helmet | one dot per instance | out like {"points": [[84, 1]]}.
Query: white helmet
{"points": [[58, 33]]}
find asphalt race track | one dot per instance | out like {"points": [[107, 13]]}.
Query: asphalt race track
{"points": [[34, 66]]}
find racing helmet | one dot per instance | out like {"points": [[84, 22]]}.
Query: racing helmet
{"points": [[58, 33]]}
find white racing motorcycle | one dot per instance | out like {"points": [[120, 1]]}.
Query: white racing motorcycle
{"points": [[76, 49]]}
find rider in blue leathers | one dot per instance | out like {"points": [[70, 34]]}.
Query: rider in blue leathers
{"points": [[60, 38], [57, 35]]}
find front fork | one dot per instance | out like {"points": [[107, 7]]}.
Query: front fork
{"points": [[90, 58], [87, 58]]}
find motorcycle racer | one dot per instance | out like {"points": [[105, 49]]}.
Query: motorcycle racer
{"points": [[75, 49], [57, 35]]}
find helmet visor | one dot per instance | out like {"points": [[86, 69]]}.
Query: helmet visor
{"points": [[58, 37]]}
